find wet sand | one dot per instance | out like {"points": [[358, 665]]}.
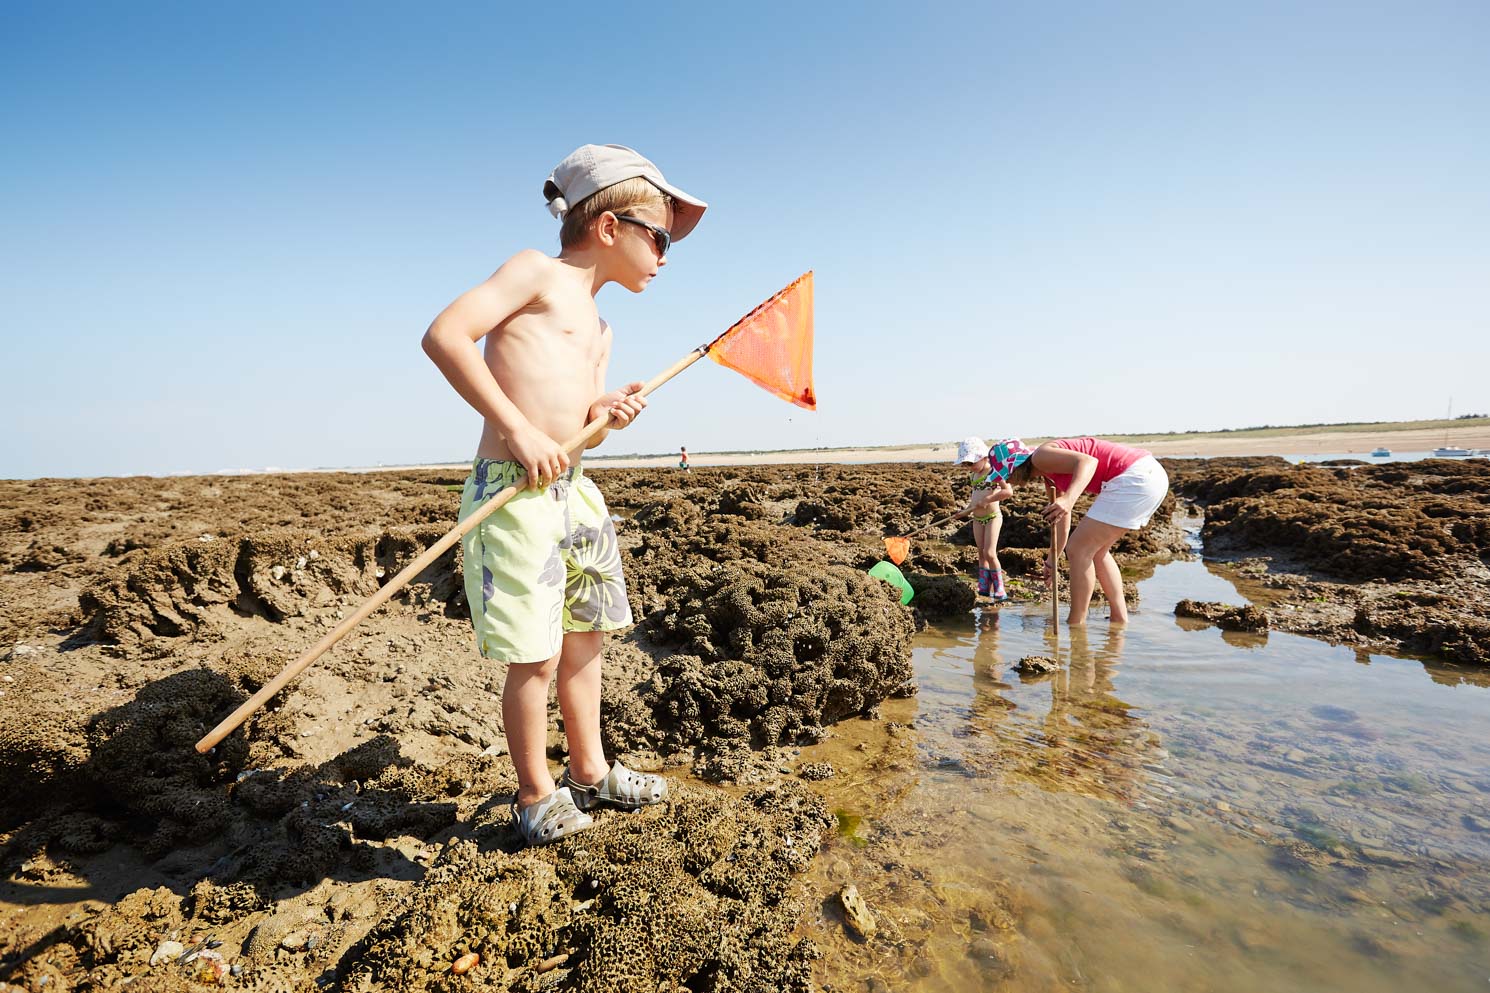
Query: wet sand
{"points": [[355, 832]]}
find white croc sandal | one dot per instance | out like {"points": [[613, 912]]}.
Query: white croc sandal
{"points": [[548, 820], [620, 788]]}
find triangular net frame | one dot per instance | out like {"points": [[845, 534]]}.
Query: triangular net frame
{"points": [[772, 345]]}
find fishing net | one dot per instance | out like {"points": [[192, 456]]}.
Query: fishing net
{"points": [[772, 345]]}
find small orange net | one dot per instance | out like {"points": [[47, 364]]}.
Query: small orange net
{"points": [[897, 549], [772, 345]]}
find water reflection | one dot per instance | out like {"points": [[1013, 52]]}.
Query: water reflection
{"points": [[1077, 735], [1173, 808]]}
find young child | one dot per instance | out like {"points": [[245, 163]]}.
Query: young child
{"points": [[973, 452], [683, 459], [543, 573], [1129, 483]]}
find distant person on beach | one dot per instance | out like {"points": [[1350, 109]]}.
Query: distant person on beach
{"points": [[987, 521], [543, 573], [1129, 484], [683, 459]]}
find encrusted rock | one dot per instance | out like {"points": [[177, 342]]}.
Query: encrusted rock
{"points": [[856, 913], [1225, 616], [1036, 665]]}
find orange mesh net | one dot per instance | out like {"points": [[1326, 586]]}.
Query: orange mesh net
{"points": [[897, 549], [772, 345]]}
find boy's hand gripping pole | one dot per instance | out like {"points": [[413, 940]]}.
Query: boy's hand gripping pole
{"points": [[414, 568]]}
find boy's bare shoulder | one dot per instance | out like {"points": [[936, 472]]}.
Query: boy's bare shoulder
{"points": [[529, 266]]}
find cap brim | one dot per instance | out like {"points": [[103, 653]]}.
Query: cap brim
{"points": [[687, 210]]}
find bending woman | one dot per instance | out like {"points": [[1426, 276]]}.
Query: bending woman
{"points": [[1129, 483]]}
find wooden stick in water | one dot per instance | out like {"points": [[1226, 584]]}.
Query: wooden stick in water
{"points": [[1055, 568]]}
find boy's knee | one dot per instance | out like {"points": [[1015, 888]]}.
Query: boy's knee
{"points": [[525, 673]]}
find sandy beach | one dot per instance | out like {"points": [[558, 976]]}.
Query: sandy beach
{"points": [[1303, 443]]}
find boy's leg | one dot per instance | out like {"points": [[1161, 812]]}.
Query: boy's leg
{"points": [[525, 717], [579, 701], [514, 581], [595, 602]]}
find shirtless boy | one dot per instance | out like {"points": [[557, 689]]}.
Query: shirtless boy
{"points": [[543, 573]]}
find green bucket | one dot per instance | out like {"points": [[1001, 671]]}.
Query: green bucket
{"points": [[887, 572]]}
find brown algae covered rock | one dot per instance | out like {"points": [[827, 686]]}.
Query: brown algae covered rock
{"points": [[1392, 554], [761, 656], [941, 596], [196, 588], [1224, 616], [1036, 665], [693, 892]]}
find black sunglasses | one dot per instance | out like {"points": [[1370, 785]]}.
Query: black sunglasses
{"points": [[661, 236]]}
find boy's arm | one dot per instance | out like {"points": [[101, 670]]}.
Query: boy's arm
{"points": [[1052, 460], [450, 343], [621, 406]]}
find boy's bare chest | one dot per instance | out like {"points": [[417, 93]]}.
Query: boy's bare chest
{"points": [[576, 332]]}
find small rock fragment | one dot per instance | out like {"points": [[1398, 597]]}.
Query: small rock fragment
{"points": [[1036, 664], [552, 963], [856, 912], [168, 951], [209, 967], [465, 963]]}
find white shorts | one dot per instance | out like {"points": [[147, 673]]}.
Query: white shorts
{"points": [[1129, 500]]}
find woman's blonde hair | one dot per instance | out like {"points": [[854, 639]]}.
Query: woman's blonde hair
{"points": [[622, 196]]}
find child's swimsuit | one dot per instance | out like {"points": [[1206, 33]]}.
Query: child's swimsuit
{"points": [[984, 481], [544, 564]]}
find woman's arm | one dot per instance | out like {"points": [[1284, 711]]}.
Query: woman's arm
{"points": [[1052, 460]]}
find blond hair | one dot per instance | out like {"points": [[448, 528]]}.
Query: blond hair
{"points": [[625, 194]]}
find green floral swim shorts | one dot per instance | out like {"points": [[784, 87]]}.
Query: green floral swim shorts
{"points": [[545, 564]]}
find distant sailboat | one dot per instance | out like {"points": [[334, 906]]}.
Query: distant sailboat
{"points": [[1450, 451]]}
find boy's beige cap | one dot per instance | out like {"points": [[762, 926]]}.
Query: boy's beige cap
{"points": [[591, 168]]}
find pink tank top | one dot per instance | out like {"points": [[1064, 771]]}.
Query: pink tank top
{"points": [[1112, 460]]}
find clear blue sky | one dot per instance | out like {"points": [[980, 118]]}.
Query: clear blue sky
{"points": [[224, 226]]}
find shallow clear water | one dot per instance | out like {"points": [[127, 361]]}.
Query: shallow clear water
{"points": [[1176, 809]]}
